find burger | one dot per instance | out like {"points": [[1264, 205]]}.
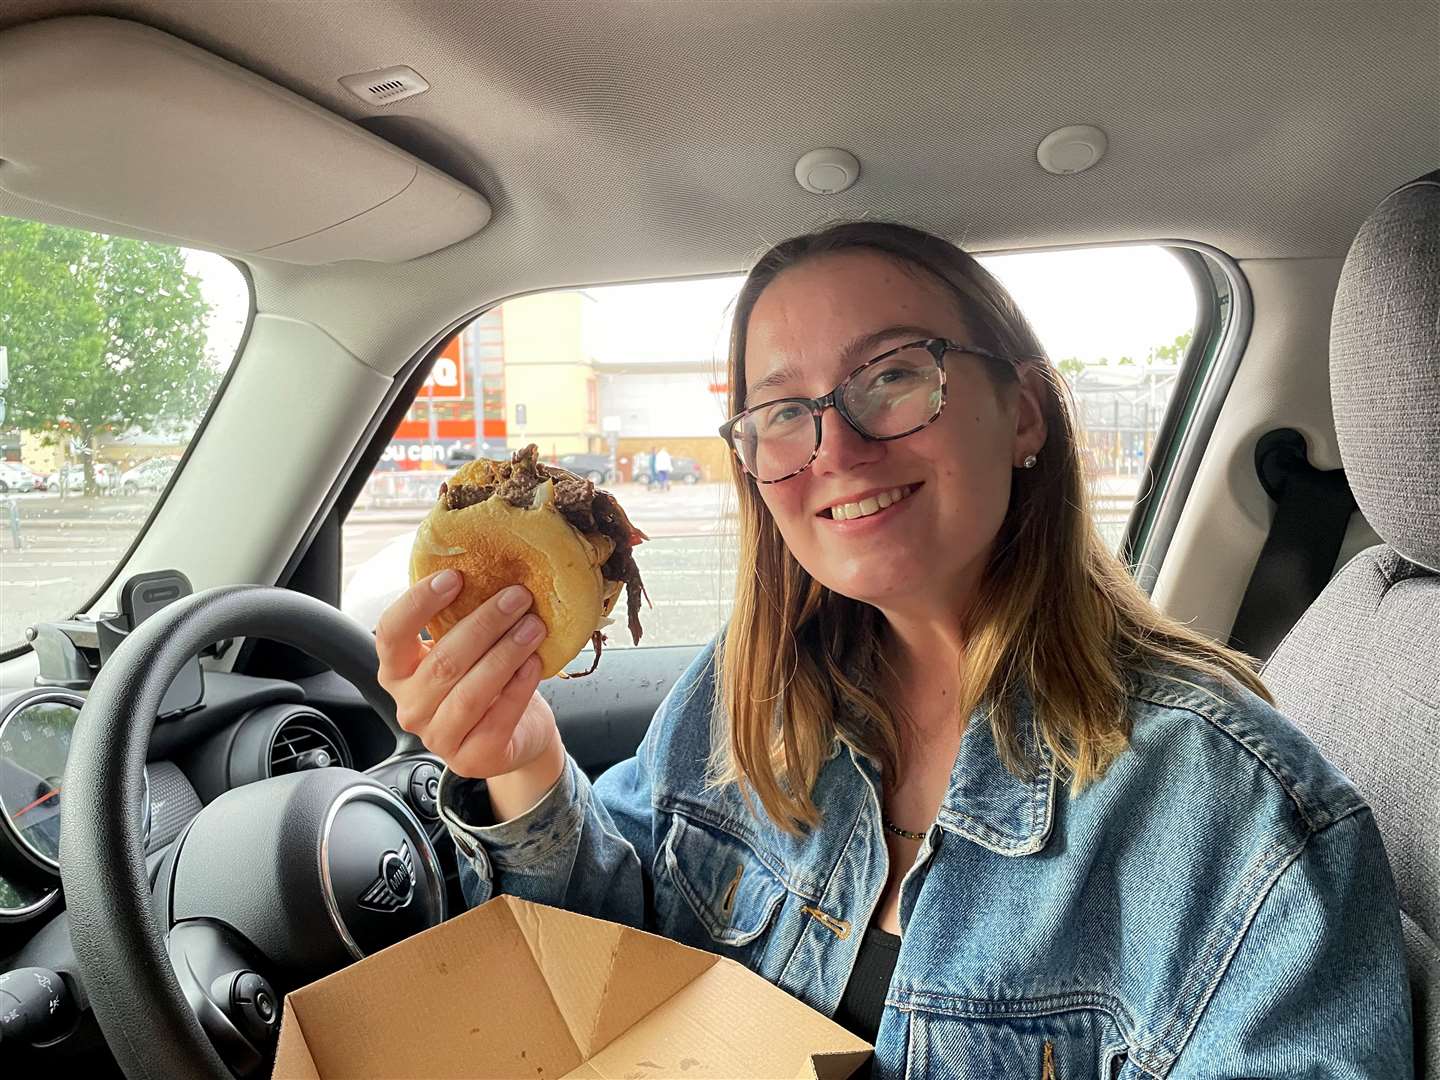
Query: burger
{"points": [[519, 522]]}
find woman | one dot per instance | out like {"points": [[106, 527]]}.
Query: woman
{"points": [[947, 776]]}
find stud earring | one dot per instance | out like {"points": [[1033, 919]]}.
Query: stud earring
{"points": [[1029, 462]]}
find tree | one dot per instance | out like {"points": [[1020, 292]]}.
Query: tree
{"points": [[1173, 353], [105, 334], [1071, 367]]}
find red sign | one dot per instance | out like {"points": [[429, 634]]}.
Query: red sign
{"points": [[463, 430], [448, 389], [447, 377]]}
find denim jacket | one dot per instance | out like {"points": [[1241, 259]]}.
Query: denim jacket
{"points": [[1218, 905]]}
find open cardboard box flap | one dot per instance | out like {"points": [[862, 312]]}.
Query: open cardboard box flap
{"points": [[514, 989]]}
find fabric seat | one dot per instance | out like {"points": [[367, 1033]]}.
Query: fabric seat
{"points": [[1360, 671]]}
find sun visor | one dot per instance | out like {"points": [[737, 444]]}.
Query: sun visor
{"points": [[129, 126]]}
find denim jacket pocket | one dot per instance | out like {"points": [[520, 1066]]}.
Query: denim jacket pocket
{"points": [[714, 891], [1069, 1044]]}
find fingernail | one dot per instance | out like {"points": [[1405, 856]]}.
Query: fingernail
{"points": [[529, 631], [445, 581], [515, 598]]}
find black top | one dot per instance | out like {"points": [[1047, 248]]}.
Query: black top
{"points": [[864, 997]]}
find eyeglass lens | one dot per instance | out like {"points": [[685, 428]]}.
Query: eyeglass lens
{"points": [[882, 400]]}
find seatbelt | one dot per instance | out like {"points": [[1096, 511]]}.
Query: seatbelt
{"points": [[1312, 512]]}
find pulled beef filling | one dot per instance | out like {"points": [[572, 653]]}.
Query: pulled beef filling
{"points": [[582, 505]]}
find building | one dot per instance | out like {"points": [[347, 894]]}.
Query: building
{"points": [[1119, 411], [550, 384], [526, 362], [693, 396]]}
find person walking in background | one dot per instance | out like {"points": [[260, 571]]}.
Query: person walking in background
{"points": [[663, 465]]}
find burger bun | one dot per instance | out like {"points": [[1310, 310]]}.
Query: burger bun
{"points": [[495, 544]]}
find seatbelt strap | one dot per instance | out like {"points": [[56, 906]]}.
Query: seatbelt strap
{"points": [[1312, 513]]}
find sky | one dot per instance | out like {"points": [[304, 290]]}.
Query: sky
{"points": [[1101, 302], [226, 291]]}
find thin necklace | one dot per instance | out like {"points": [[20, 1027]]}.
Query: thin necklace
{"points": [[906, 833]]}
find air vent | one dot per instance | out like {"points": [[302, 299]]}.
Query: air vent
{"points": [[301, 743], [385, 86]]}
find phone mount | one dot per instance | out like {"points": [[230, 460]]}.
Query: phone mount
{"points": [[72, 651]]}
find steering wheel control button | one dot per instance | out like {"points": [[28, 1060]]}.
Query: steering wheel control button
{"points": [[252, 1004], [35, 1007], [425, 789]]}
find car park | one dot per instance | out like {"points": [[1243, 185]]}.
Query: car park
{"points": [[315, 201]]}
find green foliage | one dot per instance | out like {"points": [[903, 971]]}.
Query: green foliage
{"points": [[105, 334], [1173, 353]]}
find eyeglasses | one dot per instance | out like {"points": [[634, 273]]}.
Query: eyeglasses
{"points": [[894, 395]]}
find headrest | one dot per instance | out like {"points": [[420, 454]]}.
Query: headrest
{"points": [[1385, 370]]}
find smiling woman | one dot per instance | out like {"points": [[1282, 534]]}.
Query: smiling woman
{"points": [[115, 349]]}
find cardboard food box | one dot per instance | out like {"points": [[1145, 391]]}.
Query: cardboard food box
{"points": [[526, 992]]}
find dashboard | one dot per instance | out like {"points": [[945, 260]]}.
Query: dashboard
{"points": [[243, 730]]}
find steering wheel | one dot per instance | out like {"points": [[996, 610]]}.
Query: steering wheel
{"points": [[272, 885]]}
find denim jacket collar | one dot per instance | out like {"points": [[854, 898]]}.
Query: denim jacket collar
{"points": [[988, 804]]}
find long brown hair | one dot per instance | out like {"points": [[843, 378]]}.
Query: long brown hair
{"points": [[1056, 613]]}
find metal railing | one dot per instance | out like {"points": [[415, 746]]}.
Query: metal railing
{"points": [[407, 490]]}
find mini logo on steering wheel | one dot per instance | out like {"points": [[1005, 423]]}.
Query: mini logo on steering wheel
{"points": [[395, 886]]}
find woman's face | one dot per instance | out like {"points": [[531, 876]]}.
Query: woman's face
{"points": [[813, 325]]}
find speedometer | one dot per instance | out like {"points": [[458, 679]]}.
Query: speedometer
{"points": [[34, 748]]}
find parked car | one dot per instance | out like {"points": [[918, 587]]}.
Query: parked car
{"points": [[150, 475], [684, 470], [459, 455], [17, 477], [594, 467], [72, 478]]}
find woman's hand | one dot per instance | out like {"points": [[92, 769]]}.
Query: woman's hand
{"points": [[470, 697]]}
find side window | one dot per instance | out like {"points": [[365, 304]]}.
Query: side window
{"points": [[1117, 321], [111, 351], [611, 382]]}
